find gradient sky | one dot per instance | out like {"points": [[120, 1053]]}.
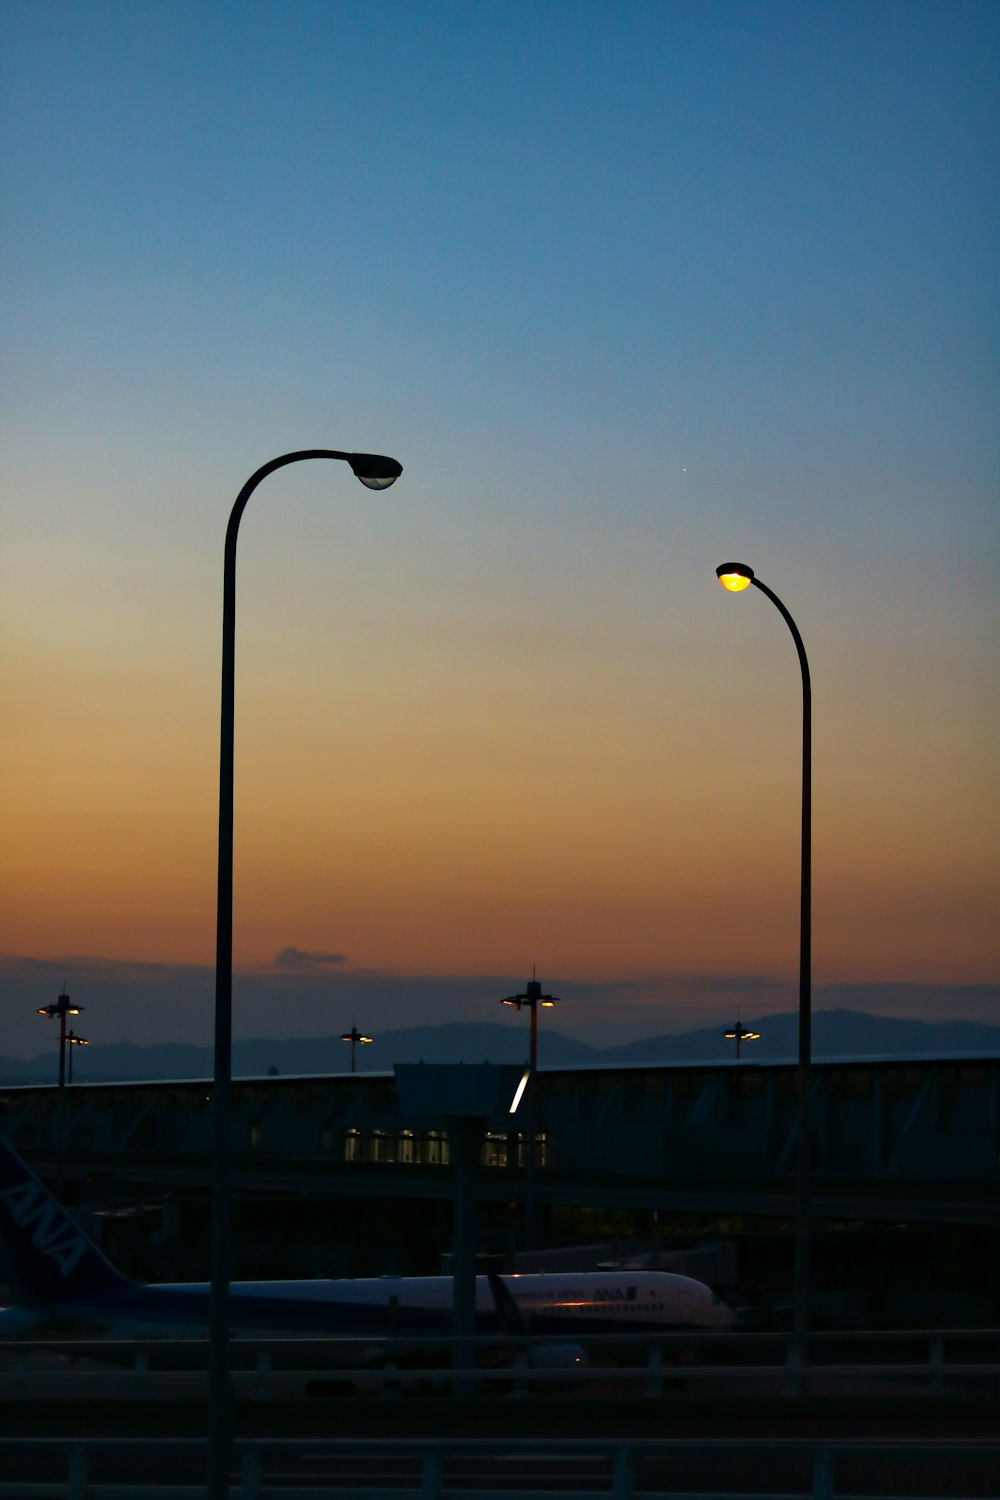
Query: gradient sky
{"points": [[629, 289]]}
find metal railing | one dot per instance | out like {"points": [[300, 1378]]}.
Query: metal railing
{"points": [[931, 1362], [473, 1469]]}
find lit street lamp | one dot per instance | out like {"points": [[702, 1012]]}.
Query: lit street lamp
{"points": [[740, 1033], [74, 1041], [532, 998], [376, 472], [736, 577], [354, 1036], [62, 1008]]}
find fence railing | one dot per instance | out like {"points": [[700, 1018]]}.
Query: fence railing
{"points": [[478, 1469], [932, 1362]]}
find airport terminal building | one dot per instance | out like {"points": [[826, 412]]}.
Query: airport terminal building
{"points": [[691, 1165]]}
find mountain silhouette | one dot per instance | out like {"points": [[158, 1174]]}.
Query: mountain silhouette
{"points": [[835, 1033]]}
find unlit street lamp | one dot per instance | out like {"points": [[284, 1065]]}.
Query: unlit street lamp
{"points": [[376, 472]]}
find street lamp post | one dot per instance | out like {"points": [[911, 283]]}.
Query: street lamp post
{"points": [[740, 1034], [532, 998], [74, 1041], [354, 1036], [376, 472], [62, 1008], [736, 577]]}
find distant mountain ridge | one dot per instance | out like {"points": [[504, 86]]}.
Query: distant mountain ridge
{"points": [[836, 1033]]}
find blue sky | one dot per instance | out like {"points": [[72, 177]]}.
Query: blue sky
{"points": [[629, 289]]}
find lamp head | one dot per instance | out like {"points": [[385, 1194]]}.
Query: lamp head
{"points": [[734, 576], [374, 470]]}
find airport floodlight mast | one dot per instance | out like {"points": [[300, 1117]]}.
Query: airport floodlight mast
{"points": [[72, 1041], [741, 1034], [62, 1008], [736, 577], [354, 1036], [376, 472], [532, 997]]}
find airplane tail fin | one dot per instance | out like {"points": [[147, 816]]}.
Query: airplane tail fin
{"points": [[47, 1257], [509, 1316]]}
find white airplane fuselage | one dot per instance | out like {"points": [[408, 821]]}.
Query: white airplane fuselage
{"points": [[58, 1273]]}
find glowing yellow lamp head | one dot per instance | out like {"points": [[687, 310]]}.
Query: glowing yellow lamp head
{"points": [[734, 576]]}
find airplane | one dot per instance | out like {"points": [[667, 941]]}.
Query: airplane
{"points": [[62, 1279]]}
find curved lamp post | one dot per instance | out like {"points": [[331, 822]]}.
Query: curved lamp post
{"points": [[736, 577], [376, 472]]}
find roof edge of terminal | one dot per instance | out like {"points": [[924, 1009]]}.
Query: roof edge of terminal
{"points": [[848, 1060]]}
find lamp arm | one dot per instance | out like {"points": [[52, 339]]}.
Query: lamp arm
{"points": [[224, 925], [796, 637]]}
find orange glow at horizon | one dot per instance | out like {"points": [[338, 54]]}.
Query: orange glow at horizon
{"points": [[435, 801]]}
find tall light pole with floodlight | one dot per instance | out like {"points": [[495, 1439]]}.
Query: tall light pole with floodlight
{"points": [[354, 1036], [532, 998], [62, 1008], [72, 1041], [740, 1034], [376, 472], [736, 577]]}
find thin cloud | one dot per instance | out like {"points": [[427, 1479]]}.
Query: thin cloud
{"points": [[297, 958]]}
